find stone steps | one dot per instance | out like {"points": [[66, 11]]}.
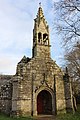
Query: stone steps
{"points": [[45, 117]]}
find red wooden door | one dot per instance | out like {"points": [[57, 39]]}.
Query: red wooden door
{"points": [[39, 105], [44, 103]]}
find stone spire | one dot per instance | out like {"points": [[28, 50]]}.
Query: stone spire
{"points": [[40, 17], [41, 42], [40, 12]]}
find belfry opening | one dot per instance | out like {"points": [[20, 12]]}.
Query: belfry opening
{"points": [[44, 103]]}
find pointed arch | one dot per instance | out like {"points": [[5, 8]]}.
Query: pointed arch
{"points": [[44, 103]]}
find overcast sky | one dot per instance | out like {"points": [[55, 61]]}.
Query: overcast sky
{"points": [[16, 31]]}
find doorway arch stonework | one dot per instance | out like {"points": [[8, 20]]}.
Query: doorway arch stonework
{"points": [[51, 95]]}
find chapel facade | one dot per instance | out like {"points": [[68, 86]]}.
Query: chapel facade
{"points": [[39, 86]]}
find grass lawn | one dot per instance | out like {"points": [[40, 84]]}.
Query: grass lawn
{"points": [[4, 117], [69, 116], [75, 116]]}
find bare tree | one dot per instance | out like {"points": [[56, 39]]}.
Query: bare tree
{"points": [[67, 24], [73, 62], [68, 21]]}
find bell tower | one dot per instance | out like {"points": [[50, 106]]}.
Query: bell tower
{"points": [[41, 41]]}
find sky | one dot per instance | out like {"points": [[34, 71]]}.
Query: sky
{"points": [[16, 31]]}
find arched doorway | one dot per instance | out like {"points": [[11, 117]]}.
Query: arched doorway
{"points": [[44, 103]]}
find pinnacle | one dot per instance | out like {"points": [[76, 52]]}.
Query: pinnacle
{"points": [[24, 57], [40, 11]]}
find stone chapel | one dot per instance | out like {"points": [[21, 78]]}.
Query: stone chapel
{"points": [[39, 86]]}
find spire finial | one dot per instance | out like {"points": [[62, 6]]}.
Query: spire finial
{"points": [[40, 4]]}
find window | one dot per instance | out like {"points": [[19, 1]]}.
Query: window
{"points": [[39, 37], [45, 38]]}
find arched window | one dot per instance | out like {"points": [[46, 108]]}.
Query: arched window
{"points": [[39, 37]]}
